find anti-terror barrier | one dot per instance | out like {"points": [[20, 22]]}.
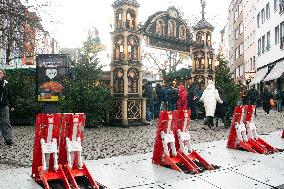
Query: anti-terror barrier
{"points": [[243, 134], [57, 160], [172, 146]]}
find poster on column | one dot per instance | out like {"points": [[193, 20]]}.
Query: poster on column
{"points": [[51, 72]]}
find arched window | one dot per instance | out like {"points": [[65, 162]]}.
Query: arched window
{"points": [[118, 47], [130, 19], [118, 80], [208, 39], [132, 47], [182, 32], [199, 57], [210, 60], [200, 37], [172, 28], [133, 76], [160, 27], [119, 18]]}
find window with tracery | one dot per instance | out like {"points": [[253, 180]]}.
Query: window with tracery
{"points": [[133, 77], [130, 19], [210, 60], [133, 45], [160, 27], [118, 81], [199, 57], [118, 47], [200, 37], [182, 33], [172, 28], [119, 18], [208, 39]]}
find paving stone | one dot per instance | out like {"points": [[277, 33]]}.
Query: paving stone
{"points": [[106, 142]]}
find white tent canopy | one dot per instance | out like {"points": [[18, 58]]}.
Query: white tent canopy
{"points": [[276, 71], [260, 74]]}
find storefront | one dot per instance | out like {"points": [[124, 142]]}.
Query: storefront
{"points": [[275, 76]]}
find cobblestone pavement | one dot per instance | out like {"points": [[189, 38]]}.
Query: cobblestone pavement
{"points": [[108, 141]]}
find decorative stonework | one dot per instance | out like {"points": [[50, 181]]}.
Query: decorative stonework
{"points": [[134, 109], [119, 3], [167, 30], [126, 67]]}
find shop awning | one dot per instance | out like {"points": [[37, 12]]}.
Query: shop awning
{"points": [[276, 71], [260, 74]]}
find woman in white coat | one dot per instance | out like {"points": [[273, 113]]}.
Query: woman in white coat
{"points": [[210, 97]]}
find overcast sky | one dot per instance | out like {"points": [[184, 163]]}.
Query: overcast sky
{"points": [[69, 20]]}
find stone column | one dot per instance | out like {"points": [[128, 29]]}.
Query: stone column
{"points": [[143, 111], [125, 80], [124, 113], [205, 61], [140, 82], [111, 80]]}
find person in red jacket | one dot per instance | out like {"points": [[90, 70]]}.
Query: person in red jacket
{"points": [[182, 101]]}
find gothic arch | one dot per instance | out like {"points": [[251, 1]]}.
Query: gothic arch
{"points": [[209, 39], [118, 47], [182, 32], [200, 37], [118, 18], [210, 60], [133, 47], [172, 28], [199, 58], [160, 27], [130, 18], [118, 81], [133, 78]]}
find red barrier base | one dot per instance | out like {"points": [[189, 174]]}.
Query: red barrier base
{"points": [[47, 177], [74, 175]]}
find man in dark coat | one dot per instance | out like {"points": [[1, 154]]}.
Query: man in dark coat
{"points": [[266, 96], [171, 97], [5, 103], [148, 93], [253, 96], [193, 99]]}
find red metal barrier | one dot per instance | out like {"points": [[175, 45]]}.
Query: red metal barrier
{"points": [[165, 153], [57, 152], [283, 134], [243, 133], [183, 144], [252, 132], [45, 166], [169, 152], [238, 136], [71, 149]]}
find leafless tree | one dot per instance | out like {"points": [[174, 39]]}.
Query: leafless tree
{"points": [[17, 30], [163, 61]]}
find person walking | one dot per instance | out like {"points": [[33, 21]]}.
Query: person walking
{"points": [[182, 100], [6, 104], [171, 97], [278, 98], [266, 96], [148, 93], [193, 99], [210, 97], [253, 97], [158, 97]]}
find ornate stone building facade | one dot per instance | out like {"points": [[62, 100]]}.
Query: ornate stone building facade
{"points": [[126, 67], [203, 56], [164, 30]]}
